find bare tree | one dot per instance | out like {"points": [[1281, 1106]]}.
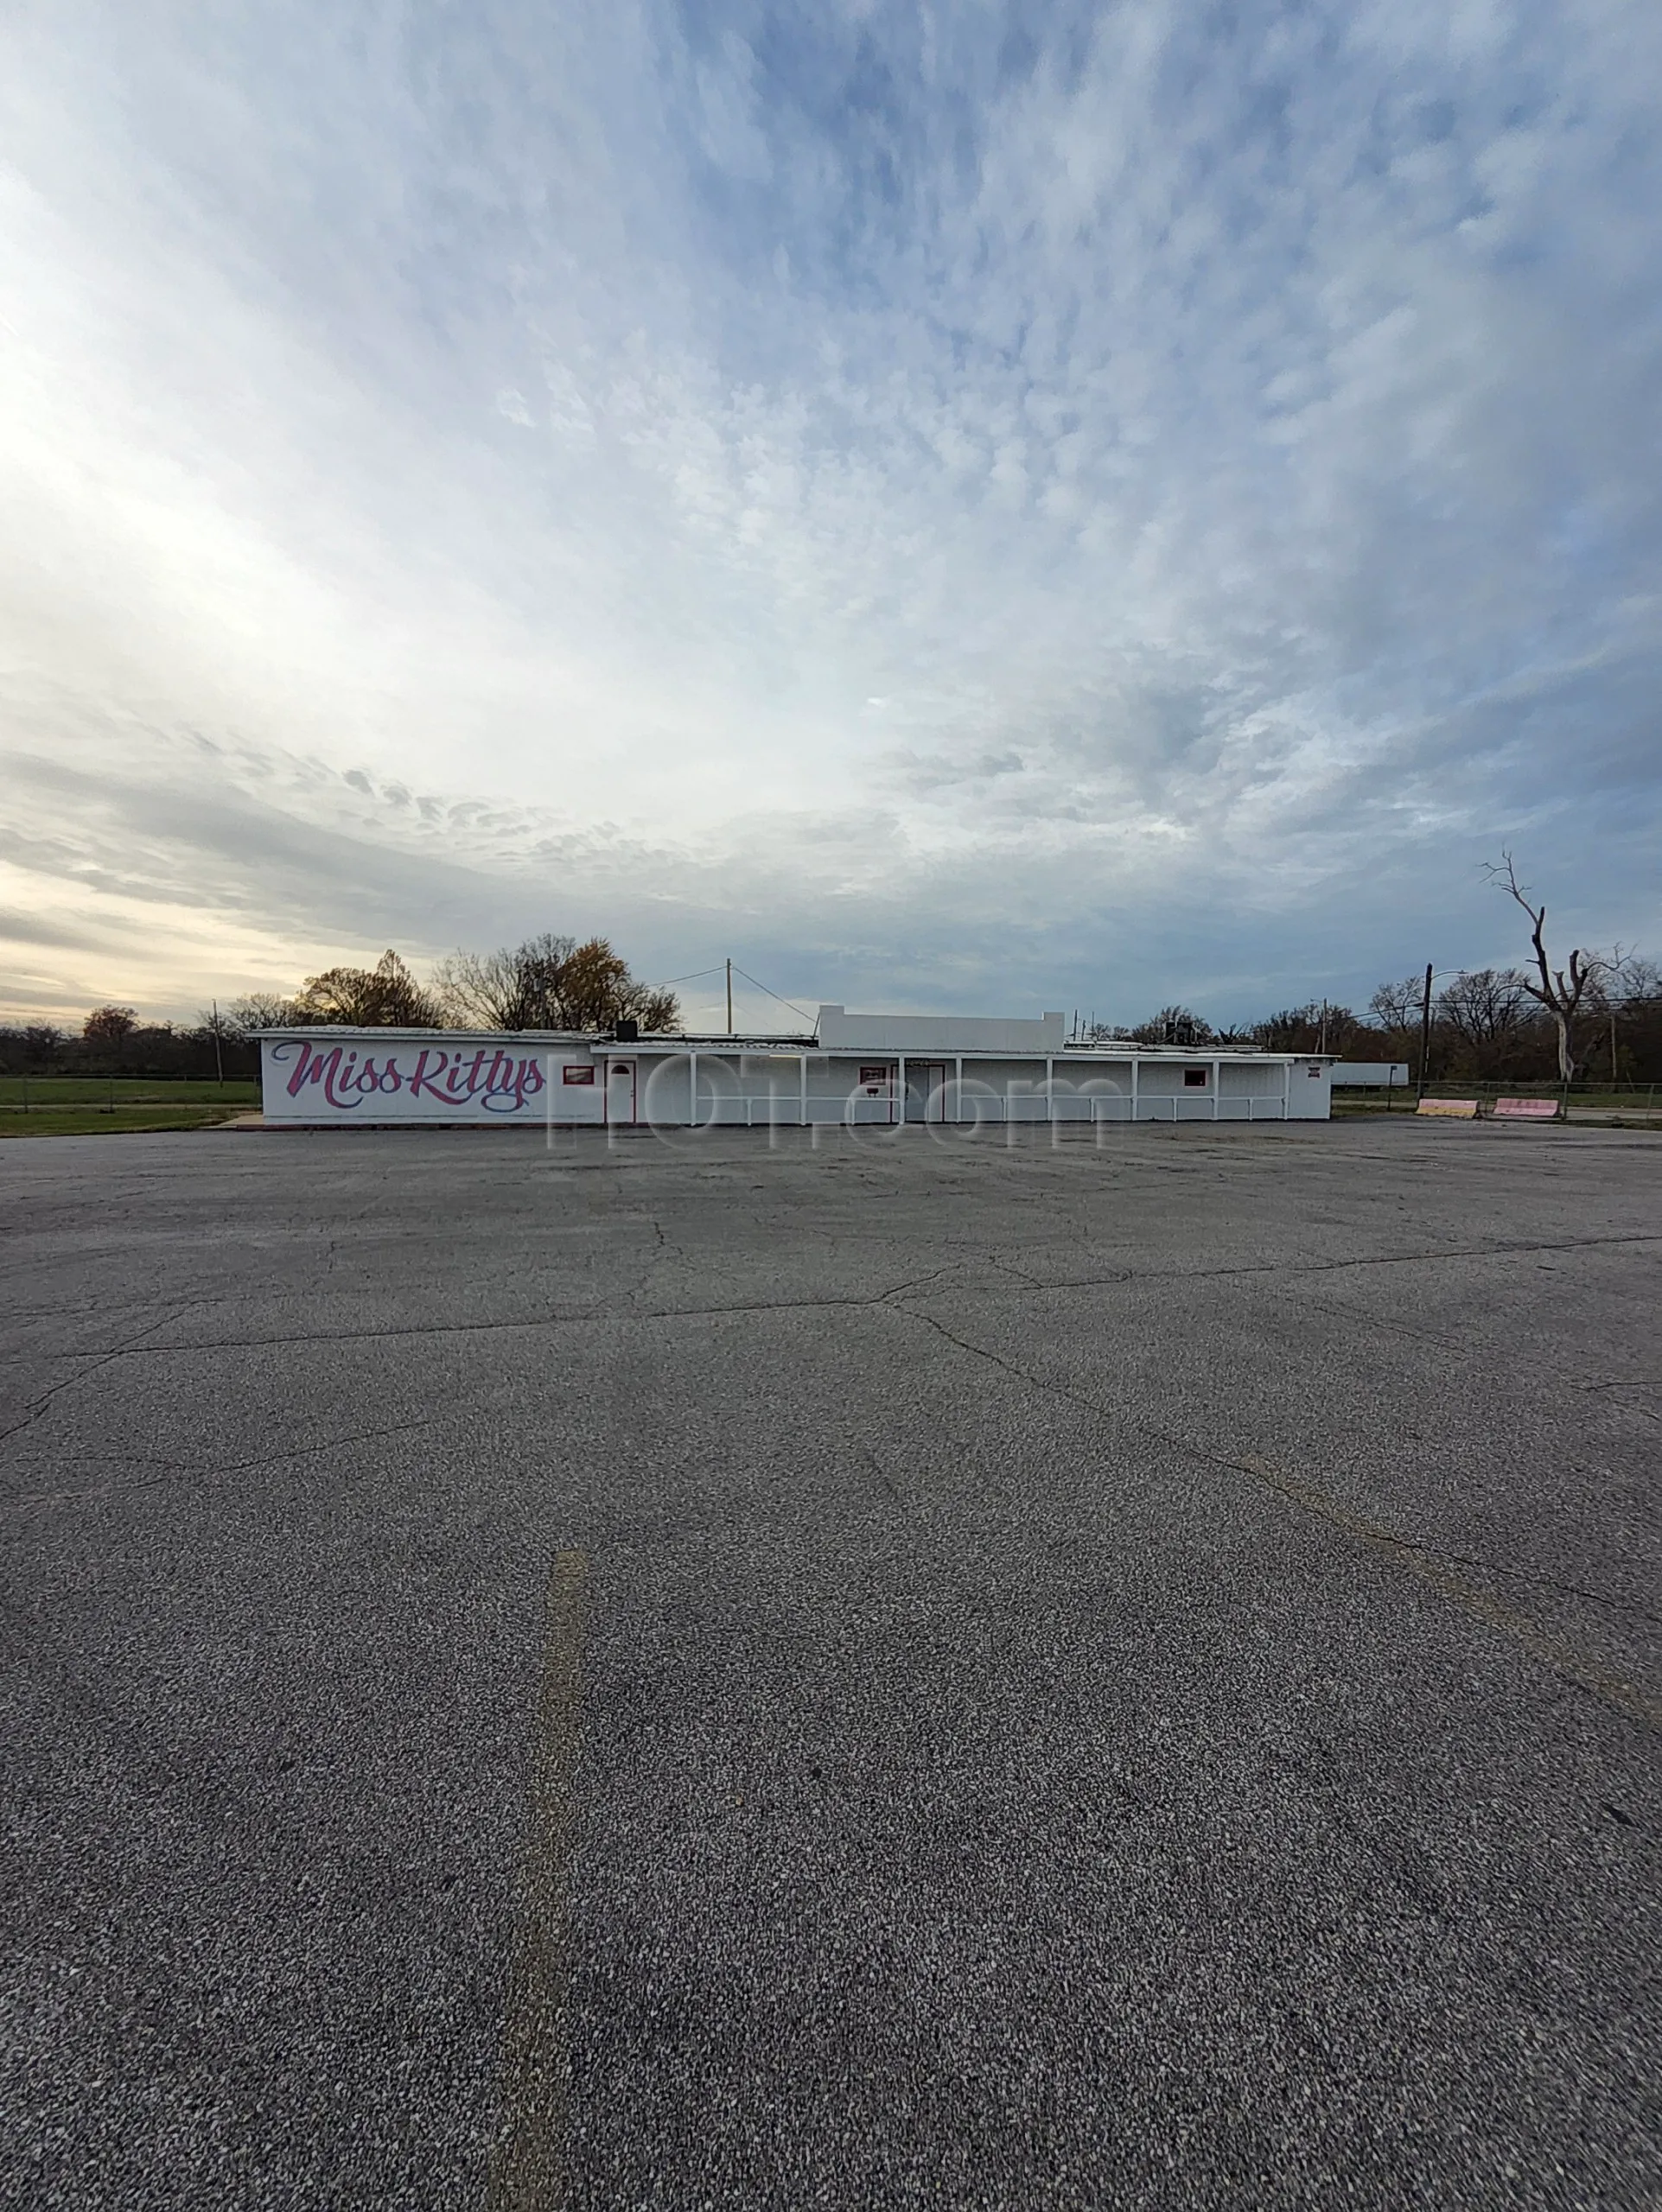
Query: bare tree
{"points": [[1485, 1006], [1173, 1024], [259, 1010], [1561, 991], [550, 982], [1320, 1026], [1397, 1006], [517, 987]]}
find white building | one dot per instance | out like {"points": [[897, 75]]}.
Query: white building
{"points": [[1371, 1075], [861, 1069]]}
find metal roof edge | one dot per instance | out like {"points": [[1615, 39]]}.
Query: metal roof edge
{"points": [[791, 1042]]}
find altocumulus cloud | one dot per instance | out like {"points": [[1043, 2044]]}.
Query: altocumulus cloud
{"points": [[953, 504]]}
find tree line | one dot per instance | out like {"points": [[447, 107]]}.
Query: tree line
{"points": [[1599, 1017], [1484, 1028], [547, 982]]}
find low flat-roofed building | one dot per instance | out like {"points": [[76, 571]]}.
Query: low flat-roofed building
{"points": [[857, 1069]]}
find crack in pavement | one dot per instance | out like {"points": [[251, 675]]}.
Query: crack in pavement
{"points": [[1420, 1560], [1117, 1278], [37, 1406], [1430, 1565], [214, 1468]]}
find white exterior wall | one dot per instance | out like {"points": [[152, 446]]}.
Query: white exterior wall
{"points": [[1309, 1091], [923, 1034], [1375, 1074], [371, 1077]]}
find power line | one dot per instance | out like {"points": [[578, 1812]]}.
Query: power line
{"points": [[791, 1003], [696, 976]]}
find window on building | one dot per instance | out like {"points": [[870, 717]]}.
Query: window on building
{"points": [[1195, 1079]]}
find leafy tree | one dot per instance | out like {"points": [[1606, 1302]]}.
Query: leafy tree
{"points": [[109, 1026], [597, 991], [385, 996]]}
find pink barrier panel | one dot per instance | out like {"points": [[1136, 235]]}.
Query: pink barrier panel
{"points": [[1449, 1109], [1526, 1109]]}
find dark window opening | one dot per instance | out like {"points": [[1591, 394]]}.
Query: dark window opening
{"points": [[1195, 1079]]}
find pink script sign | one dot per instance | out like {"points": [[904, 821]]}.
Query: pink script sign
{"points": [[496, 1081]]}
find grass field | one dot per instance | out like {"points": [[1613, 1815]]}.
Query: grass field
{"points": [[85, 1090], [126, 1121], [84, 1106]]}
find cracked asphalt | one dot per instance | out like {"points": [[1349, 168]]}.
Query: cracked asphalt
{"points": [[919, 1674]]}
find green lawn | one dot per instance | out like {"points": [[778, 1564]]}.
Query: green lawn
{"points": [[94, 1093], [1641, 1100], [79, 1122], [84, 1106]]}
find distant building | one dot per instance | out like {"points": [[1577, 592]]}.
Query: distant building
{"points": [[1372, 1075], [858, 1069]]}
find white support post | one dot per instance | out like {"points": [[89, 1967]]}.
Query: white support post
{"points": [[1134, 1086], [803, 1057], [1217, 1079], [1286, 1090], [958, 1089], [900, 1083], [692, 1091]]}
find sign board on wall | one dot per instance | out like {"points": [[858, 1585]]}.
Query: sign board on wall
{"points": [[352, 1079]]}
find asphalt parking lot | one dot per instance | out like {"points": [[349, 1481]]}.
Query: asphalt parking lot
{"points": [[919, 1674]]}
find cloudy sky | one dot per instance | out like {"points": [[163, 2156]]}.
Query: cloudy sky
{"points": [[976, 506]]}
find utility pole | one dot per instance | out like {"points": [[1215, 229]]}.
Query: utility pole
{"points": [[730, 998], [219, 1049], [1425, 1026]]}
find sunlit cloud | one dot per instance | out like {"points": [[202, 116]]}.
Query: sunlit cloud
{"points": [[984, 507]]}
